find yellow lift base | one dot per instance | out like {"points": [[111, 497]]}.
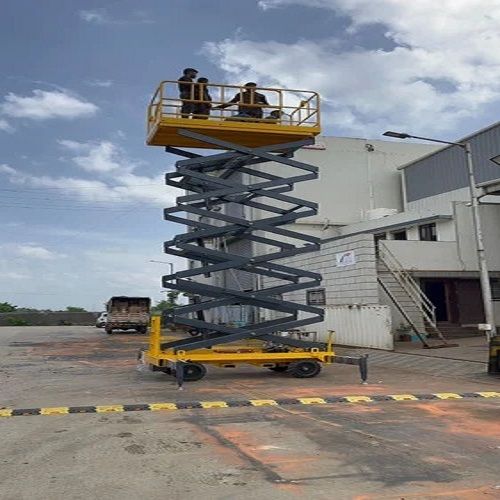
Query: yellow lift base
{"points": [[298, 117], [301, 363]]}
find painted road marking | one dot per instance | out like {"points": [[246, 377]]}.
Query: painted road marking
{"points": [[359, 399], [311, 401], [403, 397], [206, 405], [448, 395]]}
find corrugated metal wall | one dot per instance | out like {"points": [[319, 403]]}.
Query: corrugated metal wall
{"points": [[360, 326], [446, 170], [234, 278]]}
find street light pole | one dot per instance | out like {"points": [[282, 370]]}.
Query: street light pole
{"points": [[171, 264], [481, 257], [483, 267]]}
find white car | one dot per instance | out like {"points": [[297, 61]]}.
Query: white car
{"points": [[101, 320]]}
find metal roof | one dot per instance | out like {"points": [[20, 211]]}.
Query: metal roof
{"points": [[440, 150]]}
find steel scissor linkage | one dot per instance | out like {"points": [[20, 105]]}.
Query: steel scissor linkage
{"points": [[223, 192]]}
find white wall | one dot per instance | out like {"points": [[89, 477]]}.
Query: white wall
{"points": [[353, 284], [442, 203], [490, 221], [455, 249], [352, 179], [426, 255]]}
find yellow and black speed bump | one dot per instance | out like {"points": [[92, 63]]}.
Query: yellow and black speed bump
{"points": [[205, 405]]}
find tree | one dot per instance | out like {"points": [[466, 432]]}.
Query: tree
{"points": [[166, 305], [73, 309], [5, 307]]}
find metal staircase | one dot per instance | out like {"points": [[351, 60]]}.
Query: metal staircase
{"points": [[406, 294]]}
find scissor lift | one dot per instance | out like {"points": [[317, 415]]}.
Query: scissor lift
{"points": [[223, 192]]}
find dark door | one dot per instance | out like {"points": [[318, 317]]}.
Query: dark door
{"points": [[470, 302], [436, 291]]}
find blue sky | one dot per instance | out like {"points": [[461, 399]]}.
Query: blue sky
{"points": [[81, 195]]}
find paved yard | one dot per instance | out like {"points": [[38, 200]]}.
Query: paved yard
{"points": [[385, 449]]}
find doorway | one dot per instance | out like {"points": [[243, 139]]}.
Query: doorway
{"points": [[437, 293]]}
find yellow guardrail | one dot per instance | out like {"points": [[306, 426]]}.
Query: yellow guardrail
{"points": [[212, 101]]}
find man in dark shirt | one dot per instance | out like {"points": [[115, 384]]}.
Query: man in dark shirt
{"points": [[201, 93], [249, 102], [186, 91]]}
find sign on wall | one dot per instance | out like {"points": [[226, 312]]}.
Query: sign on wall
{"points": [[347, 258]]}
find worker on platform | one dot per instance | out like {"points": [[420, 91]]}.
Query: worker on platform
{"points": [[274, 116], [201, 94], [186, 91], [249, 102]]}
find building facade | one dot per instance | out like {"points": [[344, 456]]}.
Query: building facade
{"points": [[398, 248], [424, 248]]}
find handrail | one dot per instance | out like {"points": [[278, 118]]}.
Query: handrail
{"points": [[407, 277], [242, 87], [413, 291], [408, 283], [166, 103]]}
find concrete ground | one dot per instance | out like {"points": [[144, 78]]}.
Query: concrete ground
{"points": [[381, 450], [468, 349]]}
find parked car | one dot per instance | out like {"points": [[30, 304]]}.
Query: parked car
{"points": [[128, 313], [101, 320]]}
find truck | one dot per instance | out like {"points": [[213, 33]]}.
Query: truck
{"points": [[127, 313]]}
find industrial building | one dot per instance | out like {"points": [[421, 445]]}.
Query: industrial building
{"points": [[407, 230], [397, 239]]}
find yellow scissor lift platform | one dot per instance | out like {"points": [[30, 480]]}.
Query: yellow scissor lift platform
{"points": [[301, 363], [288, 117], [298, 117]]}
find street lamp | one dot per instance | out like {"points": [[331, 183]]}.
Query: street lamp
{"points": [[483, 268], [171, 264]]}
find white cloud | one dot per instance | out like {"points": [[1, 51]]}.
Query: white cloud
{"points": [[35, 252], [128, 188], [101, 16], [116, 183], [103, 156], [43, 105], [445, 66], [98, 16], [5, 126], [5, 169], [87, 276], [100, 83]]}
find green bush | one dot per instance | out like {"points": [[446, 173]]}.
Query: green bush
{"points": [[17, 322]]}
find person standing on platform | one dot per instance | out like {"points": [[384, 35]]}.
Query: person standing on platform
{"points": [[249, 102], [186, 91], [202, 108]]}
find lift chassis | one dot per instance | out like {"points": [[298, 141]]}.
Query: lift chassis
{"points": [[190, 365]]}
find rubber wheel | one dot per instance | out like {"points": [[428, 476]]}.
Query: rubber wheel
{"points": [[142, 330], [109, 331], [279, 368], [305, 369], [194, 371]]}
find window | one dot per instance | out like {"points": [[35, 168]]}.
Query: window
{"points": [[400, 235], [316, 297], [427, 232], [495, 289]]}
